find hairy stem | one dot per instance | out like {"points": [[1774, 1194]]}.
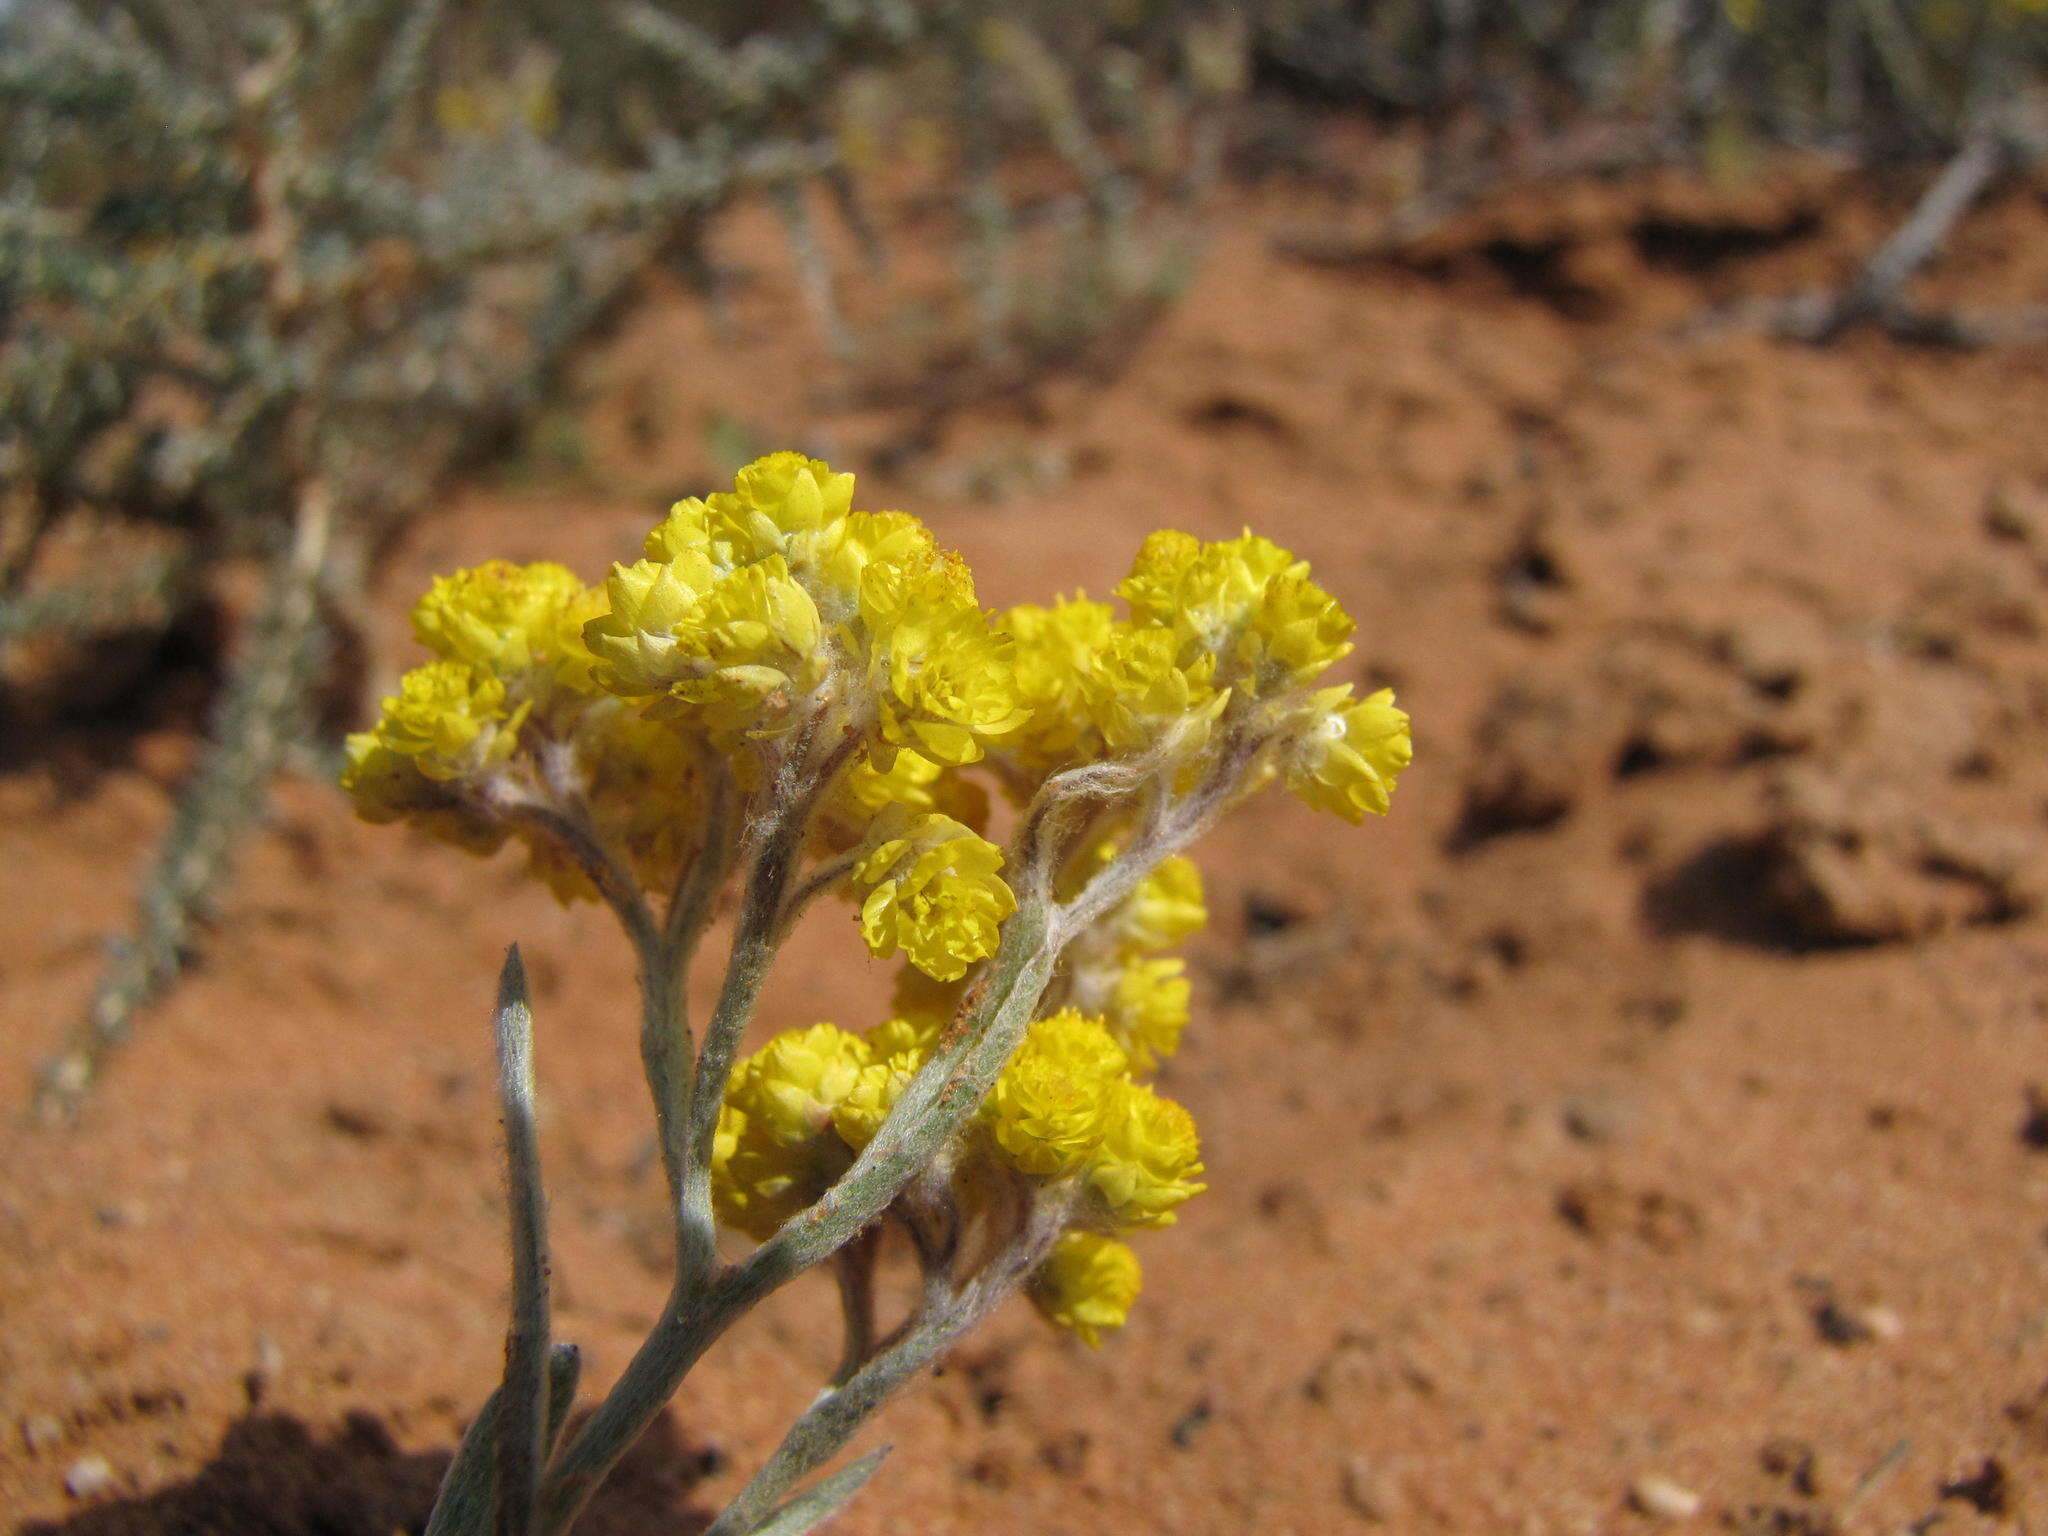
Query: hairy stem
{"points": [[833, 1419], [934, 1106], [666, 1046], [853, 1267]]}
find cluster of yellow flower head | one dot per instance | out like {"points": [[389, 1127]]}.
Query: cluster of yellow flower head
{"points": [[773, 631]]}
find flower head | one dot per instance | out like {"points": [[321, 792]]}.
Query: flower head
{"points": [[1350, 754], [932, 891], [1151, 1159], [778, 1149], [1086, 1284], [1245, 603], [1046, 1113], [507, 618]]}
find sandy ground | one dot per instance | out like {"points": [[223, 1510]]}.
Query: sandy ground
{"points": [[1638, 1128]]}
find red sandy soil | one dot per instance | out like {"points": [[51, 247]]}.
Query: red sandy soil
{"points": [[1648, 1098]]}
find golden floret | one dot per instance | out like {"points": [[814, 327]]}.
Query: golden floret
{"points": [[452, 719], [1151, 1158], [1166, 909], [754, 648], [1047, 1111], [1147, 690], [1349, 758], [932, 891], [386, 786], [1055, 655], [637, 641], [1245, 603], [778, 1150], [1086, 1284], [502, 616], [1147, 1009], [943, 684]]}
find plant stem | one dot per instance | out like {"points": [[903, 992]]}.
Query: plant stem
{"points": [[667, 1056], [934, 1106], [854, 1270], [832, 1420]]}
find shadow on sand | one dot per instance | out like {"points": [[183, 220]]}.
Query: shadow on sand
{"points": [[272, 1476]]}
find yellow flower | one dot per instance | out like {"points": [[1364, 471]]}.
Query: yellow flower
{"points": [[858, 1117], [505, 617], [774, 501], [1245, 603], [386, 786], [1165, 909], [933, 892], [1147, 1009], [755, 648], [1054, 657], [1147, 690], [1151, 1158], [942, 683], [1046, 1113], [1086, 1284], [1350, 756], [777, 1150], [863, 791], [452, 719], [872, 567], [636, 641]]}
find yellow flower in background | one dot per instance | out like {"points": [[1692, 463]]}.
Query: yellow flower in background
{"points": [[503, 616], [932, 891], [386, 786], [1086, 1284], [1166, 909], [1147, 1009]]}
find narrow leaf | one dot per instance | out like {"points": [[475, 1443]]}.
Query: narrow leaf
{"points": [[824, 1499], [523, 1411]]}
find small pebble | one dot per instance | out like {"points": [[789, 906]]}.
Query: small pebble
{"points": [[1598, 1117], [40, 1431], [1663, 1499], [264, 1369], [1368, 1492], [88, 1475]]}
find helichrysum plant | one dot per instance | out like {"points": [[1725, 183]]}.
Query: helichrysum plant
{"points": [[794, 700]]}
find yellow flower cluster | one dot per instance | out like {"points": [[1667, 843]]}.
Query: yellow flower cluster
{"points": [[831, 671], [1235, 625], [755, 608], [775, 615], [1086, 1284], [505, 715], [1065, 1111]]}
